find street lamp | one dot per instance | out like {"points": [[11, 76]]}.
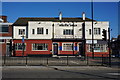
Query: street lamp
{"points": [[23, 46], [92, 29], [83, 32], [109, 45]]}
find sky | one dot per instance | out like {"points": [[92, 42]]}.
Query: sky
{"points": [[103, 11]]}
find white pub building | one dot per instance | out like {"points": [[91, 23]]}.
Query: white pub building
{"points": [[55, 36]]}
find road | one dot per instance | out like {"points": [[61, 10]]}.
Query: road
{"points": [[37, 72]]}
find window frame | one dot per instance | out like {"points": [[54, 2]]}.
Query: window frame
{"points": [[4, 26], [40, 43], [90, 31], [2, 41], [33, 31], [40, 30], [47, 31], [68, 32], [102, 47], [63, 49], [21, 32], [97, 31], [19, 49]]}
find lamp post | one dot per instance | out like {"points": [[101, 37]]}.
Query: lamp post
{"points": [[109, 47], [92, 29], [23, 46], [83, 32]]}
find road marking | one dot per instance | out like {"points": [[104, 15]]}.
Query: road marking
{"points": [[74, 62], [117, 74]]}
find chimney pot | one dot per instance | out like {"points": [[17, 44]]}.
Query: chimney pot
{"points": [[83, 15]]}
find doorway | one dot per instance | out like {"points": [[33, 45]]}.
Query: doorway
{"points": [[55, 48]]}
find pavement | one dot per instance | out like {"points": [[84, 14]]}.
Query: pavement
{"points": [[60, 72]]}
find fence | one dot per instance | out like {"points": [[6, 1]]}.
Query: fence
{"points": [[103, 60]]}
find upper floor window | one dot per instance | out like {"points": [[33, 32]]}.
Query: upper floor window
{"points": [[4, 29], [33, 31], [21, 31], [97, 31], [40, 31], [46, 31], [68, 32], [89, 31]]}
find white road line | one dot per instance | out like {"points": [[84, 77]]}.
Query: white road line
{"points": [[74, 62], [117, 74]]}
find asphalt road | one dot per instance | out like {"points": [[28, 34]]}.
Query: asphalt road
{"points": [[45, 72]]}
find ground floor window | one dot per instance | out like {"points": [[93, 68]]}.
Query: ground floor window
{"points": [[39, 46], [19, 46], [97, 48], [67, 46], [2, 40]]}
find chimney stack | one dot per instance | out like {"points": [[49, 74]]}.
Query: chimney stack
{"points": [[60, 16], [83, 15], [4, 18]]}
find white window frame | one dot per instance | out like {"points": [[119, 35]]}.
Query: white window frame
{"points": [[40, 43], [21, 32], [1, 42], [100, 46], [47, 31], [40, 31], [67, 43], [22, 49], [97, 31], [32, 31], [68, 32]]}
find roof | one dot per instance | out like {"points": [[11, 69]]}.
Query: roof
{"points": [[23, 21]]}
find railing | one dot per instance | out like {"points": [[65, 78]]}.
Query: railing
{"points": [[103, 60]]}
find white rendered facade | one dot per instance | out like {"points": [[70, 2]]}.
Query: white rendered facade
{"points": [[56, 31]]}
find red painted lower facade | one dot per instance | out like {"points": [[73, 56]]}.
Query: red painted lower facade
{"points": [[50, 50], [29, 50]]}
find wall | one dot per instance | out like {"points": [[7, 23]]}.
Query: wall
{"points": [[34, 25], [58, 30], [16, 32], [29, 47], [100, 24]]}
